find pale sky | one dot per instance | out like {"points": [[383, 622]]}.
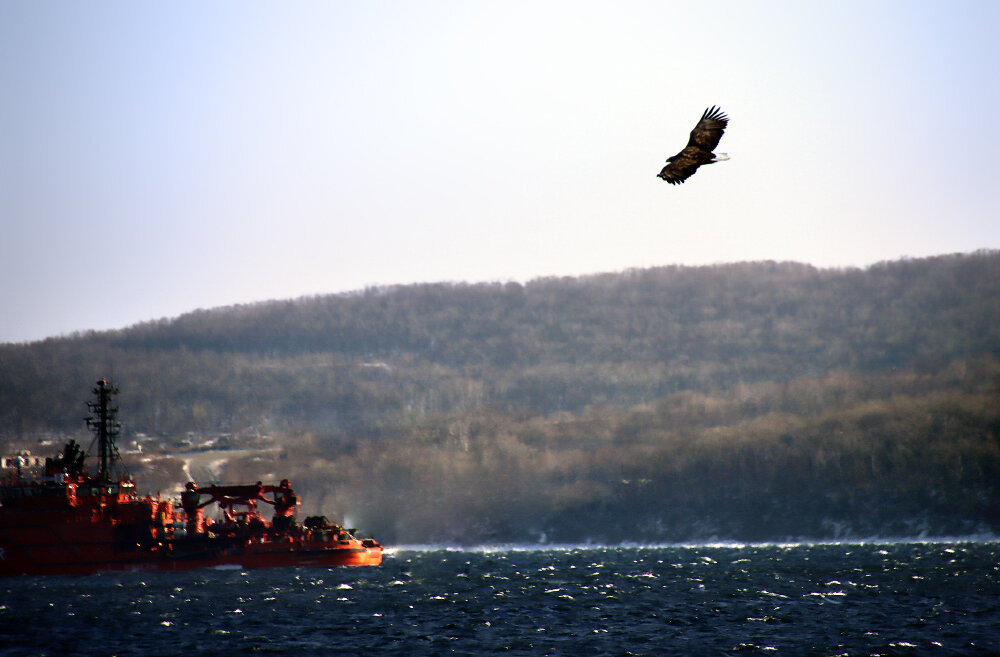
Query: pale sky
{"points": [[159, 157]]}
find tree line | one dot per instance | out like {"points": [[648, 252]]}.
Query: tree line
{"points": [[737, 400]]}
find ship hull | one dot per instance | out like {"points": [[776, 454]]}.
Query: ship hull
{"points": [[73, 543], [82, 557]]}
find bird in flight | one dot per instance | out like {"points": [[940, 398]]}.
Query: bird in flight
{"points": [[704, 138]]}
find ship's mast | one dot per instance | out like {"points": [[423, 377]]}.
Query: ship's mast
{"points": [[104, 424]]}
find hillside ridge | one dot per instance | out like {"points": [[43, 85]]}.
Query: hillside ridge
{"points": [[670, 401]]}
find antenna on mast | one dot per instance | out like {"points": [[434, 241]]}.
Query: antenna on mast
{"points": [[104, 423]]}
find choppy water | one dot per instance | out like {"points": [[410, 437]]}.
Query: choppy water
{"points": [[843, 599]]}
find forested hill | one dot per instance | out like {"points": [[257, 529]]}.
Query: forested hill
{"points": [[734, 390]]}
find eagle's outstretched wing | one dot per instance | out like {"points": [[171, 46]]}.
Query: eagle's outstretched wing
{"points": [[682, 166], [708, 132], [704, 138]]}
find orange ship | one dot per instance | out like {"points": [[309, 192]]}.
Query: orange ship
{"points": [[58, 519]]}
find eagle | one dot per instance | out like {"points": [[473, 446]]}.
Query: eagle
{"points": [[704, 138]]}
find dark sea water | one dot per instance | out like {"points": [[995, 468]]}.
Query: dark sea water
{"points": [[906, 598]]}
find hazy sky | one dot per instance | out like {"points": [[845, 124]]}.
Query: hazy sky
{"points": [[158, 157]]}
